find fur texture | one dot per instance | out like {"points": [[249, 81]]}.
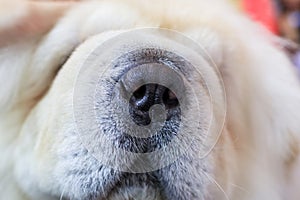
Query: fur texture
{"points": [[256, 157]]}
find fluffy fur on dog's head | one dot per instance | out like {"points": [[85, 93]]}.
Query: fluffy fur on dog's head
{"points": [[41, 47]]}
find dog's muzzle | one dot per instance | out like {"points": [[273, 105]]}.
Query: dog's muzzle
{"points": [[140, 100]]}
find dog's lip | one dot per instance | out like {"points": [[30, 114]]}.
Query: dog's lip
{"points": [[148, 182], [145, 188]]}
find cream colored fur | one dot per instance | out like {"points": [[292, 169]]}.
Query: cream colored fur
{"points": [[257, 156]]}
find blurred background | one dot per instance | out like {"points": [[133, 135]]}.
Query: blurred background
{"points": [[282, 17]]}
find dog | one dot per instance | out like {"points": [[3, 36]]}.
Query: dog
{"points": [[47, 152]]}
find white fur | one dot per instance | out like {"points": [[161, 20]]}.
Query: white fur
{"points": [[262, 89]]}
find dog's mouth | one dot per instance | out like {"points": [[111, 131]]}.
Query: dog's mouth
{"points": [[136, 192], [137, 186]]}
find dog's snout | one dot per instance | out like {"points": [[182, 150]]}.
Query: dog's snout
{"points": [[147, 96]]}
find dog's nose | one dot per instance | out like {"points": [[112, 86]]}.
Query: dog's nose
{"points": [[147, 96]]}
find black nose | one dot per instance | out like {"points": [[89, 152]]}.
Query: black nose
{"points": [[148, 95]]}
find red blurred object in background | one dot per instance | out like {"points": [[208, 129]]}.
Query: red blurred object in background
{"points": [[262, 11]]}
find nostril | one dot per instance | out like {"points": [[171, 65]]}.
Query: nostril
{"points": [[143, 98], [147, 96], [140, 93], [170, 100]]}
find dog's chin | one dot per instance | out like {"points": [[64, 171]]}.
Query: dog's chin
{"points": [[144, 192]]}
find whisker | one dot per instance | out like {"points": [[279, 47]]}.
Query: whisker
{"points": [[217, 184], [240, 188], [62, 193]]}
